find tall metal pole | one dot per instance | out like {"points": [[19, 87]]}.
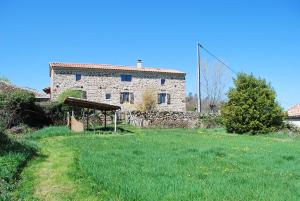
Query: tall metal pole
{"points": [[199, 78]]}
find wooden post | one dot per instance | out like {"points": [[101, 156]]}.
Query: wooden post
{"points": [[68, 120], [87, 120], [104, 119], [115, 121], [94, 121]]}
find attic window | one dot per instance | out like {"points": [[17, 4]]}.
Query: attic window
{"points": [[126, 78], [78, 77]]}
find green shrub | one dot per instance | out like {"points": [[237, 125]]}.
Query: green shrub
{"points": [[16, 107], [252, 107], [70, 93], [149, 101], [211, 121], [54, 112], [19, 107]]}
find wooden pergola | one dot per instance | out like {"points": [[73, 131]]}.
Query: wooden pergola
{"points": [[103, 107]]}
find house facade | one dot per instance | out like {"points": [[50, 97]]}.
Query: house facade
{"points": [[120, 85], [294, 115]]}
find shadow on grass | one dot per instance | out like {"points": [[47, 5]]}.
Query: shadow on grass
{"points": [[109, 130], [14, 155]]}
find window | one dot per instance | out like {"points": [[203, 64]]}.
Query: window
{"points": [[107, 96], [78, 77], [126, 78], [164, 98], [126, 97], [162, 81]]}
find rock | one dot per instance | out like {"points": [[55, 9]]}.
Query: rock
{"points": [[17, 129]]}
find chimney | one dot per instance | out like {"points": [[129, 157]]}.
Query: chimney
{"points": [[139, 63]]}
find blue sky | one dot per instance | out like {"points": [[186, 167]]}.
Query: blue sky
{"points": [[259, 37]]}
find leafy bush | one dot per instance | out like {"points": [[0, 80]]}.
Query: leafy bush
{"points": [[19, 107], [252, 107], [211, 121], [70, 93], [54, 112], [16, 107], [149, 101]]}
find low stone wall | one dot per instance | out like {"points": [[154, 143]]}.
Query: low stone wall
{"points": [[163, 119]]}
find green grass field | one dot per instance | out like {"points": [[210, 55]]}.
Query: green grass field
{"points": [[156, 164]]}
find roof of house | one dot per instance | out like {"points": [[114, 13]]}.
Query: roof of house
{"points": [[113, 67], [8, 87], [294, 111]]}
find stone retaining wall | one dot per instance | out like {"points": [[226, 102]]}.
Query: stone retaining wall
{"points": [[163, 119]]}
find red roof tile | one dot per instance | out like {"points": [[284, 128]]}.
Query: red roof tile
{"points": [[294, 111], [113, 67]]}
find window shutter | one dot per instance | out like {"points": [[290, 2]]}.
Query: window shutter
{"points": [[168, 99], [121, 98], [131, 98], [158, 99]]}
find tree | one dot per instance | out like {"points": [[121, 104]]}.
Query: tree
{"points": [[149, 101], [16, 107], [251, 106], [191, 102], [214, 79]]}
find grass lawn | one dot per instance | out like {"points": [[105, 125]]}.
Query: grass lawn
{"points": [[13, 157], [156, 164]]}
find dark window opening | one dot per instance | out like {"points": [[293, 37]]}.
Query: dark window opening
{"points": [[161, 98], [162, 81], [126, 78], [164, 98], [78, 77], [107, 96], [126, 97]]}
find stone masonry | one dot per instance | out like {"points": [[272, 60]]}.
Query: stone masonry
{"points": [[98, 81]]}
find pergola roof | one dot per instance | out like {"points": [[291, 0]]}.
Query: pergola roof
{"points": [[90, 104]]}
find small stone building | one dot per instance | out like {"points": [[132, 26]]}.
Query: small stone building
{"points": [[120, 85], [294, 115]]}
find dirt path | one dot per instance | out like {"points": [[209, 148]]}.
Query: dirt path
{"points": [[52, 177]]}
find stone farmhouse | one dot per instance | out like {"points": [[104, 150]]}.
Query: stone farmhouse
{"points": [[120, 85], [294, 115]]}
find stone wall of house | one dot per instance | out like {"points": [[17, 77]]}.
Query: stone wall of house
{"points": [[163, 119], [97, 83], [295, 122]]}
